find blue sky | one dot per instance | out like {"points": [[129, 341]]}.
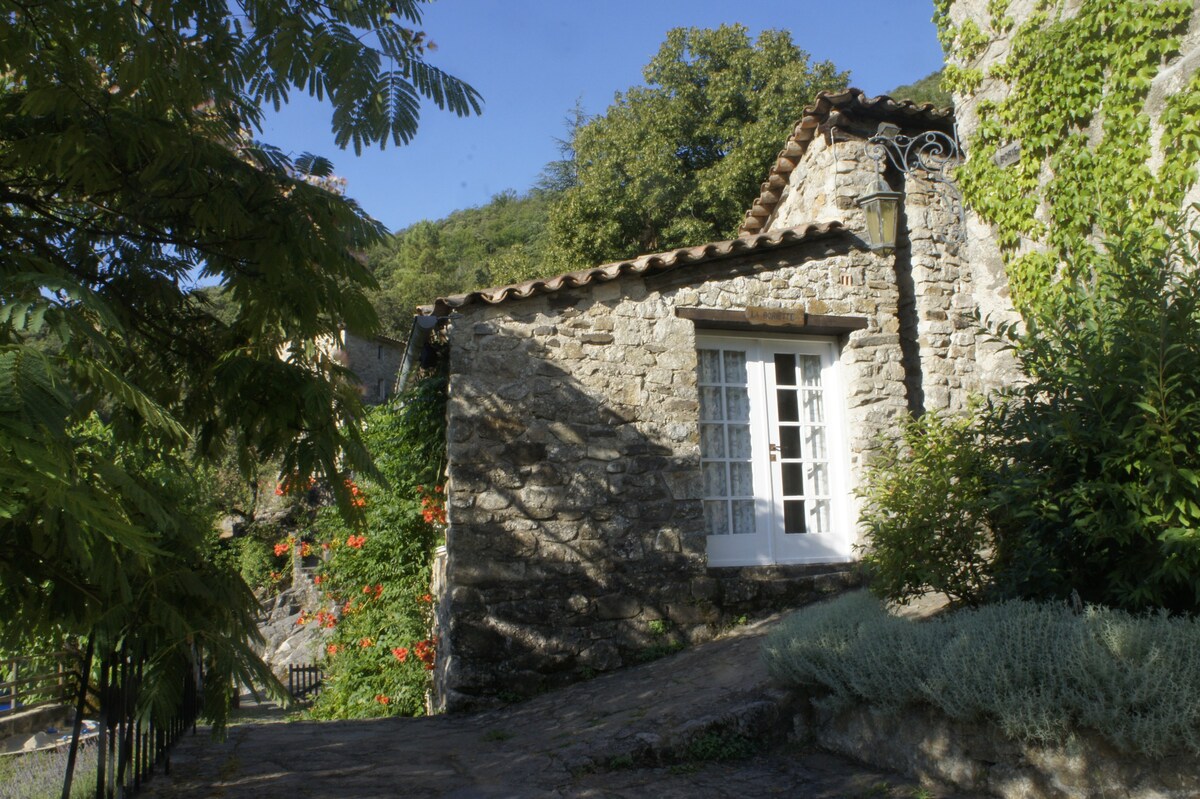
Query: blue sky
{"points": [[532, 59]]}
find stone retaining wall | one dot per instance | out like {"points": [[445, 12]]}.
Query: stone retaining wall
{"points": [[978, 758]]}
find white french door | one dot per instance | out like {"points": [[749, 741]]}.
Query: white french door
{"points": [[772, 451]]}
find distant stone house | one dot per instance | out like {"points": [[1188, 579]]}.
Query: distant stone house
{"points": [[644, 452], [375, 361]]}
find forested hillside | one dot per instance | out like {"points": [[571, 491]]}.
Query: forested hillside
{"points": [[671, 163], [928, 89]]}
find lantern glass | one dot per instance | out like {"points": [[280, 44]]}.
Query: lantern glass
{"points": [[882, 210]]}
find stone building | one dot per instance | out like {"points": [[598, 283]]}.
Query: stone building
{"points": [[645, 452], [375, 361]]}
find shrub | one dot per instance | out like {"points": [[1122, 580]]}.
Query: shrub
{"points": [[926, 511], [376, 576], [1083, 478], [1035, 670], [1100, 445], [254, 558]]}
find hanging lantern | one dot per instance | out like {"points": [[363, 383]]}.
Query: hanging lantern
{"points": [[881, 206]]}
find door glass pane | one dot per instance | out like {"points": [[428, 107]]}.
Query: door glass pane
{"points": [[737, 404], [820, 479], [793, 516], [739, 441], [789, 442], [709, 366], [714, 480], [735, 367], [716, 514], [814, 409], [741, 480], [814, 442], [789, 405], [710, 403], [821, 516], [743, 516], [810, 370], [793, 479], [785, 369], [712, 441]]}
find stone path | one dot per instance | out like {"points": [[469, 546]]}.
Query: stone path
{"points": [[662, 729]]}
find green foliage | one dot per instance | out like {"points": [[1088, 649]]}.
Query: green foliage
{"points": [[719, 746], [169, 596], [1077, 86], [127, 171], [1100, 443], [1082, 477], [376, 580], [676, 162], [670, 164], [926, 509], [927, 90], [501, 242], [255, 560], [1036, 671]]}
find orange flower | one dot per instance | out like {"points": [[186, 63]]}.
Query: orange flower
{"points": [[400, 653], [426, 598], [317, 579], [378, 590], [332, 649], [424, 650], [356, 541], [282, 548], [382, 699], [305, 549], [366, 642]]}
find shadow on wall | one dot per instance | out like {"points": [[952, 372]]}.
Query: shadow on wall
{"points": [[576, 541]]}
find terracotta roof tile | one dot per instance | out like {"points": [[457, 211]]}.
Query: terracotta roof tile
{"points": [[853, 103], [641, 265]]}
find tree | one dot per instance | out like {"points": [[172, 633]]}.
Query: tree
{"points": [[503, 241], [678, 161], [127, 170]]}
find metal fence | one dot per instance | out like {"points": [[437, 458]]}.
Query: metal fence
{"points": [[129, 744], [304, 681]]}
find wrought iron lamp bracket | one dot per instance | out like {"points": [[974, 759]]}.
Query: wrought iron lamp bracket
{"points": [[933, 154]]}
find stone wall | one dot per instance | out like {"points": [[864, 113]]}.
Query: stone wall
{"points": [[375, 363], [987, 266], [576, 542], [937, 304], [978, 758]]}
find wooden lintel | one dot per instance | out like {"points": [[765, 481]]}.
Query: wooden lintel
{"points": [[782, 319]]}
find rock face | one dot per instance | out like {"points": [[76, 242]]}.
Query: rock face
{"points": [[286, 642], [577, 540]]}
